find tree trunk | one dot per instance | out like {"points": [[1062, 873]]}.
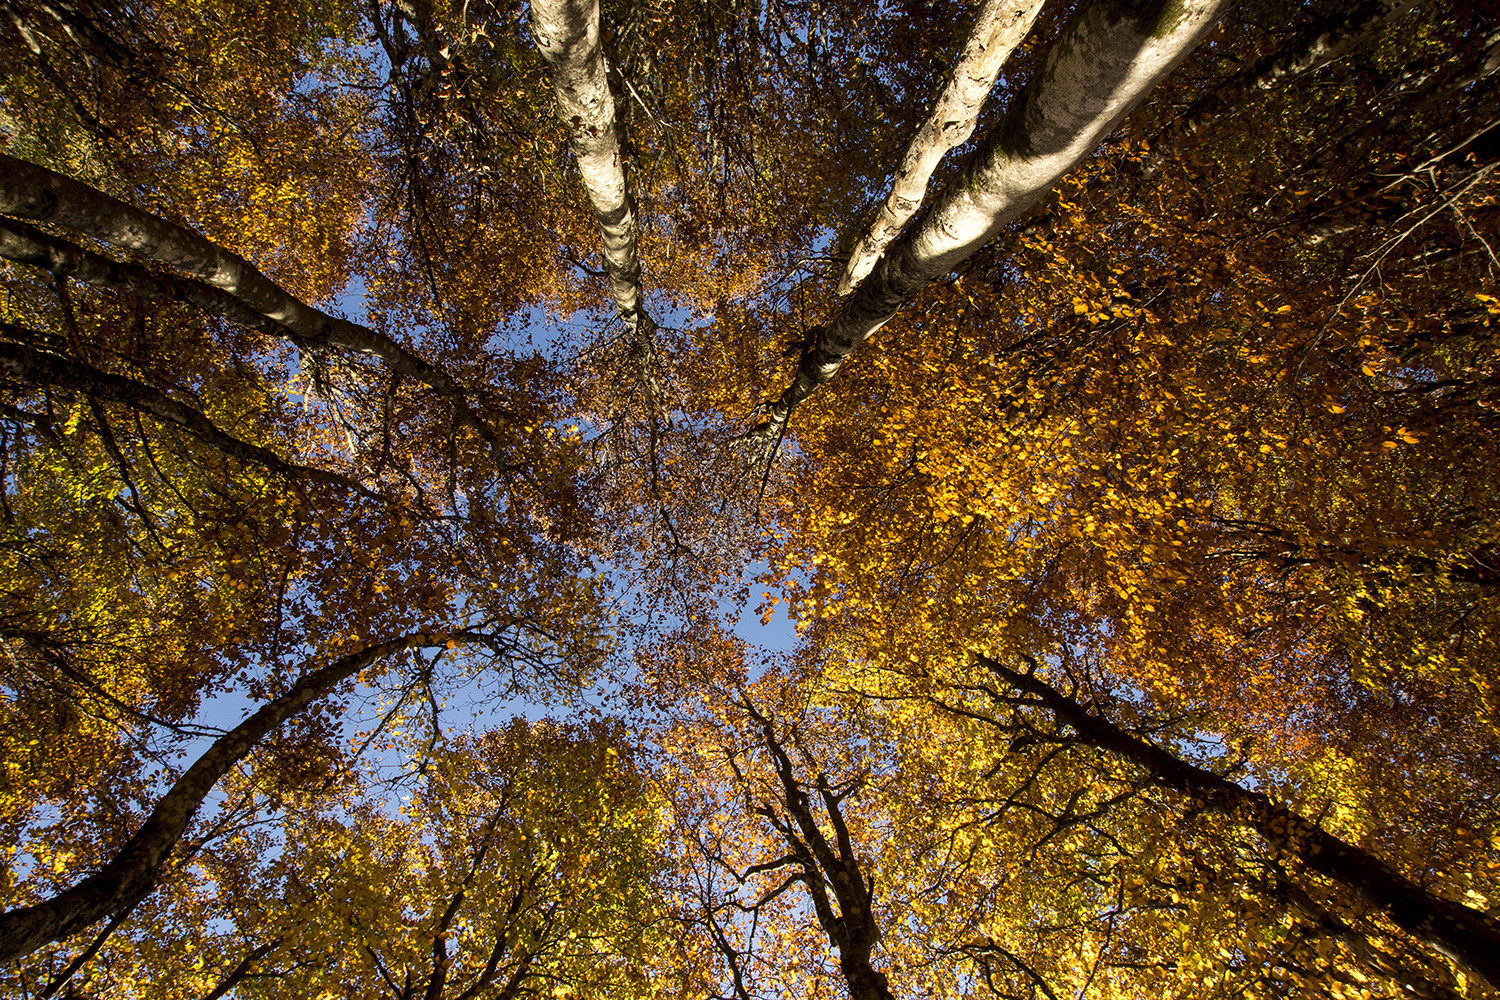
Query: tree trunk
{"points": [[1104, 63], [1462, 934], [28, 245], [567, 33], [852, 927], [243, 970], [999, 27], [134, 870], [32, 192]]}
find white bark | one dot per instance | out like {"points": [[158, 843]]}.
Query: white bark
{"points": [[25, 244], [1104, 63], [28, 191], [567, 32], [999, 27]]}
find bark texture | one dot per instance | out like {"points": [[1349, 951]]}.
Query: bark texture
{"points": [[28, 191], [1104, 63], [1464, 935], [999, 27], [134, 870], [567, 33], [25, 244]]}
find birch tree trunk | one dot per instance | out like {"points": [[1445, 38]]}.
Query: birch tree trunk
{"points": [[28, 191], [999, 27], [1103, 64], [1464, 935], [133, 872], [567, 33], [28, 245]]}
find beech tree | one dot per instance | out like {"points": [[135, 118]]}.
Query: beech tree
{"points": [[367, 366]]}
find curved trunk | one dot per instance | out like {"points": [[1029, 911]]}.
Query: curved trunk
{"points": [[31, 192], [135, 868], [999, 27], [1464, 935]]}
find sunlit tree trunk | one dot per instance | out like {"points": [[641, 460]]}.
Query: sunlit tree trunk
{"points": [[23, 244], [1104, 63], [31, 192], [567, 32], [999, 27]]}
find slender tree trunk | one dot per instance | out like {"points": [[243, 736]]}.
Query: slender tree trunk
{"points": [[28, 245], [240, 972], [999, 27], [567, 33], [1105, 62], [1464, 935], [31, 192], [852, 927], [134, 870]]}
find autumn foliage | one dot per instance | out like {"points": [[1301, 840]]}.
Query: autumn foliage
{"points": [[407, 409]]}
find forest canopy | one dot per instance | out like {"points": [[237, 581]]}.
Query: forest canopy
{"points": [[408, 407]]}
